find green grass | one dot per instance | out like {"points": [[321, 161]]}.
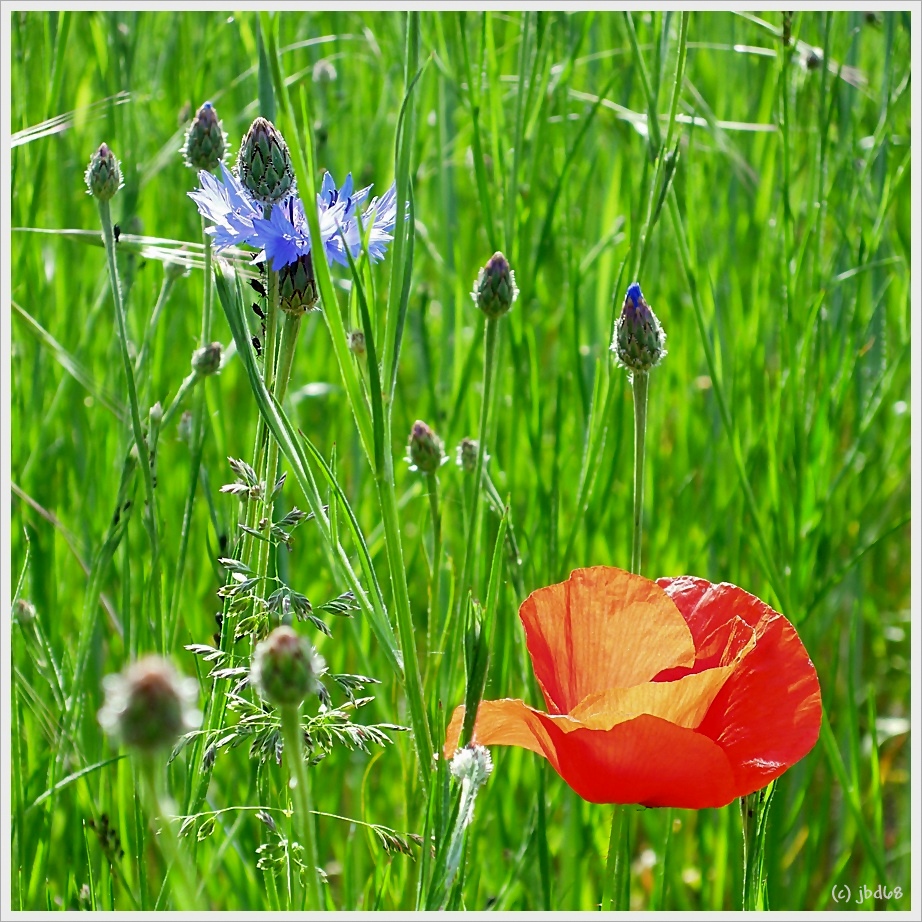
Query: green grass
{"points": [[778, 441]]}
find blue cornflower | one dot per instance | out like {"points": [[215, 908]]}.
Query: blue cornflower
{"points": [[284, 237], [230, 207]]}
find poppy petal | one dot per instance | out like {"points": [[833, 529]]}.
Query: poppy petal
{"points": [[645, 760], [684, 702], [602, 628], [767, 716]]}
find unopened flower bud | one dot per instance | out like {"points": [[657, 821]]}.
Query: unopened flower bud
{"points": [[473, 764], [466, 456], [185, 426], [207, 360], [206, 141], [149, 705], [297, 288], [425, 452], [155, 414], [23, 612], [286, 667], [357, 342], [174, 269], [639, 341], [103, 176], [495, 290], [264, 163]]}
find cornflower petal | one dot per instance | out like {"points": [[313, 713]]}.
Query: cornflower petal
{"points": [[228, 206]]}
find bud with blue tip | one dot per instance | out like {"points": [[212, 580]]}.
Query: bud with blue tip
{"points": [[639, 341]]}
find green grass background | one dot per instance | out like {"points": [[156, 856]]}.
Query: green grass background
{"points": [[792, 198]]}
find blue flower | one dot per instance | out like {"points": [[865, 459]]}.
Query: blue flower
{"points": [[228, 204], [283, 237]]}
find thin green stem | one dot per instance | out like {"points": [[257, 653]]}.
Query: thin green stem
{"points": [[150, 518], [419, 720], [490, 336], [303, 809], [185, 894], [640, 383], [616, 891], [432, 483], [196, 445]]}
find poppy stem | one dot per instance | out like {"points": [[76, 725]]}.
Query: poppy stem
{"points": [[640, 383], [754, 813], [616, 889]]}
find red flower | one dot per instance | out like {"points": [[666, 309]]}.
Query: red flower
{"points": [[673, 693]]}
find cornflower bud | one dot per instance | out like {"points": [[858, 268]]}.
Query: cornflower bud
{"points": [[207, 360], [206, 140], [297, 288], [286, 667], [466, 456], [495, 290], [103, 176], [357, 342], [425, 452], [639, 341], [23, 612], [264, 163], [149, 705]]}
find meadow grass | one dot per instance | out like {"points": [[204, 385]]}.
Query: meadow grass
{"points": [[773, 243]]}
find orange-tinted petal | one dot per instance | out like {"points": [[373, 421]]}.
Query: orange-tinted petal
{"points": [[602, 628], [646, 760], [684, 702], [767, 715]]}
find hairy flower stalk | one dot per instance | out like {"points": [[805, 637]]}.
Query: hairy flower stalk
{"points": [[471, 767], [285, 670], [148, 707], [494, 293]]}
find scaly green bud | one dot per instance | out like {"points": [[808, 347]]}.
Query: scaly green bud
{"points": [[207, 360], [297, 288], [495, 290], [264, 163], [286, 667], [103, 176], [357, 342], [466, 456], [639, 341], [206, 140], [425, 452], [149, 705]]}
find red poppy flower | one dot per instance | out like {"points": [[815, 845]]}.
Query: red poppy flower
{"points": [[673, 693]]}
